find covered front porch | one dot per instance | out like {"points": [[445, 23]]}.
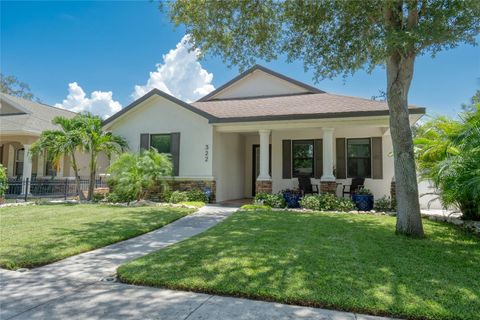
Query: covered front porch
{"points": [[271, 156]]}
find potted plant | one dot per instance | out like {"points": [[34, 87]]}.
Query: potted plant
{"points": [[363, 199], [292, 197]]}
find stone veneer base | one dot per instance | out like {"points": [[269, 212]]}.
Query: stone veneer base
{"points": [[263, 186], [328, 187], [186, 185]]}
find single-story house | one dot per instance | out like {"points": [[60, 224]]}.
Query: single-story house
{"points": [[21, 123], [260, 131]]}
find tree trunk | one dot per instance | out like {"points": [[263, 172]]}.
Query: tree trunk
{"points": [[399, 77], [81, 196], [93, 167]]}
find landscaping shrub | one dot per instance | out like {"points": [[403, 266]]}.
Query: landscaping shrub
{"points": [[178, 196], [98, 196], [133, 176], [327, 202], [383, 204], [3, 181], [271, 200], [448, 153], [197, 195]]}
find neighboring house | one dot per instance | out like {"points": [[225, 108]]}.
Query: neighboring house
{"points": [[260, 131], [21, 123]]}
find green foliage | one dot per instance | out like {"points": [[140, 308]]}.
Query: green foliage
{"points": [[133, 176], [98, 196], [37, 235], [331, 37], [256, 207], [326, 202], [197, 195], [348, 262], [364, 191], [271, 200], [383, 204], [3, 180], [448, 153], [95, 140], [178, 196], [14, 87]]}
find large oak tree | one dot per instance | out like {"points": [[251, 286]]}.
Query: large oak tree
{"points": [[339, 37]]}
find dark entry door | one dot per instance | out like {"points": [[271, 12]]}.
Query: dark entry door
{"points": [[256, 164]]}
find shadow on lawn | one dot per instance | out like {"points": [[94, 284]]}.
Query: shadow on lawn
{"points": [[346, 262], [64, 242]]}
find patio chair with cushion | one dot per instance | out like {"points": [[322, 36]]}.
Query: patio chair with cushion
{"points": [[351, 189], [305, 185]]}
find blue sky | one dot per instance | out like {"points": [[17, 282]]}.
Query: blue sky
{"points": [[113, 46]]}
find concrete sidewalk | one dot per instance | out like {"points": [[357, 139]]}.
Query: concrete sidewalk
{"points": [[76, 288]]}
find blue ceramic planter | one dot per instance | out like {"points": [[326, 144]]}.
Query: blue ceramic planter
{"points": [[292, 199], [363, 202]]}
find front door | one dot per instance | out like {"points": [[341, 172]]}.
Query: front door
{"points": [[256, 164]]}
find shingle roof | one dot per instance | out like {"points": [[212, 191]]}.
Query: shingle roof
{"points": [[35, 117], [300, 106]]}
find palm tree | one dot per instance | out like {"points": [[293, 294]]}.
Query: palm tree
{"points": [[65, 141], [95, 140], [448, 153]]}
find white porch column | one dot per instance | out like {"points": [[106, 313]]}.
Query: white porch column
{"points": [[27, 168], [327, 155], [264, 155], [11, 161]]}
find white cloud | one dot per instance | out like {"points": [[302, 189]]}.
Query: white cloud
{"points": [[100, 103], [180, 75]]}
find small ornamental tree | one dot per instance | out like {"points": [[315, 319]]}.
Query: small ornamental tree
{"points": [[132, 176], [335, 37], [95, 141]]}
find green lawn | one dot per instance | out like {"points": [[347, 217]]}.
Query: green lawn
{"points": [[31, 236], [339, 261]]}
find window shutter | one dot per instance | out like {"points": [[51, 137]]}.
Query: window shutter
{"points": [[341, 162], [144, 141], [377, 158], [175, 152], [318, 157], [287, 159]]}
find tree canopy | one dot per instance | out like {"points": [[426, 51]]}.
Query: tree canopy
{"points": [[331, 37], [14, 87]]}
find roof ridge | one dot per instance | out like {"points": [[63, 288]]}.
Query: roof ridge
{"points": [[9, 96], [261, 97]]}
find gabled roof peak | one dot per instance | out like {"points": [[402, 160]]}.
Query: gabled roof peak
{"points": [[257, 67]]}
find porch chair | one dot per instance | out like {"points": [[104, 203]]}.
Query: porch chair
{"points": [[357, 183], [305, 185]]}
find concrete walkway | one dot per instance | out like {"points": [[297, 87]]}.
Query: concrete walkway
{"points": [[77, 287]]}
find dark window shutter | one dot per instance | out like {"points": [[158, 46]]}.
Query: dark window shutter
{"points": [[318, 155], [144, 141], [175, 151], [377, 158], [287, 159], [341, 163]]}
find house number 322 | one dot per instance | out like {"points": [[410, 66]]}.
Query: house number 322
{"points": [[206, 153]]}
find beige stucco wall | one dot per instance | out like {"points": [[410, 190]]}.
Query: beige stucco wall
{"points": [[228, 165], [379, 187], [159, 115], [259, 83]]}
